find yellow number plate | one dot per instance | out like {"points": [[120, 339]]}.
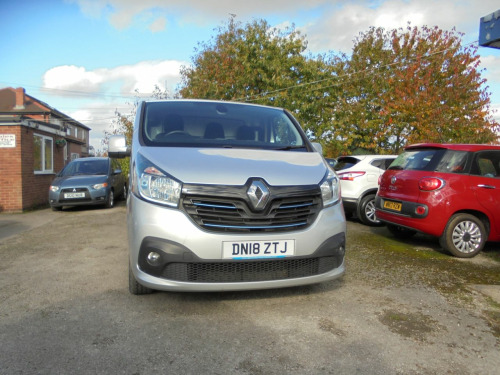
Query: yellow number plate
{"points": [[395, 206]]}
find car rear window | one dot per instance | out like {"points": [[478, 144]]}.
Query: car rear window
{"points": [[438, 160], [345, 162]]}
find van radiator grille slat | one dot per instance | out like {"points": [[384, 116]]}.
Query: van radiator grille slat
{"points": [[234, 215]]}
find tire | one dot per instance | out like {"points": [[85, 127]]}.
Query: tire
{"points": [[400, 232], [111, 199], [134, 287], [125, 192], [464, 236], [57, 208], [366, 211]]}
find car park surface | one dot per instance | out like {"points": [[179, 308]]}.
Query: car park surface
{"points": [[403, 307], [450, 191], [359, 176]]}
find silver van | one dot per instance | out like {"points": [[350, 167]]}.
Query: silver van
{"points": [[228, 196]]}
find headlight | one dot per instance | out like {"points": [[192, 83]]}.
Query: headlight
{"points": [[100, 186], [154, 185], [330, 189], [54, 188]]}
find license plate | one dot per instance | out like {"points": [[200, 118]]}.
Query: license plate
{"points": [[74, 195], [257, 249], [395, 206]]}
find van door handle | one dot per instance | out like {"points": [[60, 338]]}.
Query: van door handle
{"points": [[486, 186]]}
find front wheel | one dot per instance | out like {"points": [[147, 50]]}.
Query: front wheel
{"points": [[464, 236], [111, 200], [366, 211], [125, 192], [134, 287]]}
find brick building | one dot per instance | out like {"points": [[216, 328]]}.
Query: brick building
{"points": [[36, 141]]}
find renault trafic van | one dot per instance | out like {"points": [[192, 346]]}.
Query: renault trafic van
{"points": [[228, 196]]}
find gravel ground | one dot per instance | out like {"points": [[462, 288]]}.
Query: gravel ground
{"points": [[401, 308]]}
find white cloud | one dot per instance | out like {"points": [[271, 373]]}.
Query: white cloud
{"points": [[338, 27], [98, 93], [334, 27], [158, 25], [70, 77], [492, 65], [123, 12], [143, 77]]}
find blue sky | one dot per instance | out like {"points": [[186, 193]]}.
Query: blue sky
{"points": [[86, 58]]}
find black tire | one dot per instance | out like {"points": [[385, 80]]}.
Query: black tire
{"points": [[401, 232], [366, 211], [111, 199], [125, 192], [464, 236], [57, 208], [134, 287]]}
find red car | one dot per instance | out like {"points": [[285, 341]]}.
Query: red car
{"points": [[451, 191]]}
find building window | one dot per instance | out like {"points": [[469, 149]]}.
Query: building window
{"points": [[43, 154]]}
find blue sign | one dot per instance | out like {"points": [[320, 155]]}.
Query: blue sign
{"points": [[489, 30]]}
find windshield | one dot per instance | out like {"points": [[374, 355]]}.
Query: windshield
{"points": [[214, 124], [85, 167], [438, 160]]}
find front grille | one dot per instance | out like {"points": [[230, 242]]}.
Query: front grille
{"points": [[235, 215], [226, 272]]}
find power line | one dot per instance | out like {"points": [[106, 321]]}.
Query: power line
{"points": [[347, 75]]}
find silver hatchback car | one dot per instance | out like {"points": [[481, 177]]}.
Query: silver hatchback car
{"points": [[228, 196]]}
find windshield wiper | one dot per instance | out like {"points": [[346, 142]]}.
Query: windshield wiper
{"points": [[289, 148]]}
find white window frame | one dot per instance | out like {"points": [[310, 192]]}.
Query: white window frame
{"points": [[44, 139]]}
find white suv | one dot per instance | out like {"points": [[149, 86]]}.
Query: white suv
{"points": [[359, 176]]}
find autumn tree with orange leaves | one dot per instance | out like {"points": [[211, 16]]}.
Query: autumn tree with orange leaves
{"points": [[414, 85], [396, 88]]}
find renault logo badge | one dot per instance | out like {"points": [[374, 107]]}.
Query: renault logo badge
{"points": [[259, 194]]}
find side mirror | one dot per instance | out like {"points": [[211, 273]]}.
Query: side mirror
{"points": [[117, 147], [317, 146]]}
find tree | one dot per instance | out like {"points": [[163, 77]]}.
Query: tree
{"points": [[398, 87], [124, 124], [414, 85], [260, 64]]}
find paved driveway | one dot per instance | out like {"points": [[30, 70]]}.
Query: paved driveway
{"points": [[402, 308]]}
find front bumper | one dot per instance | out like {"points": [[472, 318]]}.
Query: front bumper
{"points": [[92, 197], [191, 258]]}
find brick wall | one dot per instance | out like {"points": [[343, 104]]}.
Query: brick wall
{"points": [[20, 187], [10, 172]]}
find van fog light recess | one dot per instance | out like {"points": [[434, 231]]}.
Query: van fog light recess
{"points": [[153, 258]]}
